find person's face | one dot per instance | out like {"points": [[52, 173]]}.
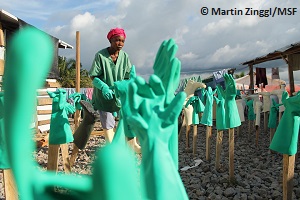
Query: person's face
{"points": [[117, 42]]}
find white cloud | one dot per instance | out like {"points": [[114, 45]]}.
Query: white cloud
{"points": [[226, 54], [217, 27]]}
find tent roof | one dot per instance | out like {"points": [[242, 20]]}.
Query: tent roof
{"points": [[277, 54], [12, 23]]}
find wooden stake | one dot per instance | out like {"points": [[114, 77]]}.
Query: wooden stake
{"points": [[208, 141], [10, 188], [187, 139], [65, 155], [288, 175], [231, 155], [266, 120], [73, 155], [257, 135], [195, 139], [53, 157], [218, 148], [272, 131]]}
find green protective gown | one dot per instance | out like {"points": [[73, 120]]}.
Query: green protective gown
{"points": [[207, 116], [220, 108], [4, 163], [107, 71], [285, 139], [273, 114], [251, 114], [60, 130], [232, 117], [198, 107], [154, 122]]}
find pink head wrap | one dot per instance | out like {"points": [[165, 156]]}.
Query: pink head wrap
{"points": [[116, 32]]}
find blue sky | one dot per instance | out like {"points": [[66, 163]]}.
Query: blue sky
{"points": [[206, 43]]}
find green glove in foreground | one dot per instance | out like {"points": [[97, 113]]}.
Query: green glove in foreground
{"points": [[30, 51], [208, 111], [285, 139], [232, 117], [251, 114], [220, 108], [121, 89], [106, 92], [153, 122], [167, 68], [274, 114], [198, 107], [60, 130], [4, 163]]}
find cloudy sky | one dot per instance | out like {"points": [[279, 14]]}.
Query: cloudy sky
{"points": [[206, 43]]}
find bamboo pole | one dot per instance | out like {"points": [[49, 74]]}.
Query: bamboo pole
{"points": [[208, 141], [10, 188], [231, 155], [288, 175], [218, 148]]}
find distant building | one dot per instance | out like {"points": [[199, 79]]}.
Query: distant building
{"points": [[9, 24]]}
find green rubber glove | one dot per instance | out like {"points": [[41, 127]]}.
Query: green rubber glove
{"points": [[285, 139], [60, 130], [251, 114], [167, 68], [232, 117], [153, 122], [106, 91], [112, 180], [30, 50], [4, 163], [121, 91], [220, 108], [273, 114], [198, 107], [207, 116], [77, 97]]}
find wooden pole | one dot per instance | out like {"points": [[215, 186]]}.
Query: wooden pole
{"points": [[251, 85], [288, 175], [53, 157], [231, 155], [10, 188], [195, 139], [187, 139], [266, 120], [65, 155], [257, 134], [77, 113], [218, 148], [208, 141], [291, 73]]}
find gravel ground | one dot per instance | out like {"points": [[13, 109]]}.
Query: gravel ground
{"points": [[258, 173]]}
